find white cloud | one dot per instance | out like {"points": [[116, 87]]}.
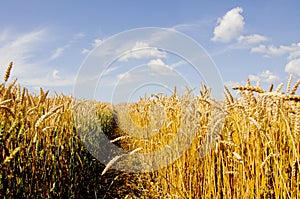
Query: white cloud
{"points": [[293, 67], [48, 82], [142, 50], [154, 70], [97, 42], [265, 76], [251, 39], [156, 62], [85, 51], [270, 50], [52, 79], [231, 84], [154, 67], [229, 26], [55, 74], [293, 50], [294, 54], [158, 66]]}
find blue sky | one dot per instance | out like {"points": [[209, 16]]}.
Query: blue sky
{"points": [[49, 41]]}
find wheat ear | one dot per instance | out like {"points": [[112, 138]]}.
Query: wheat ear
{"points": [[294, 89], [7, 73], [288, 86]]}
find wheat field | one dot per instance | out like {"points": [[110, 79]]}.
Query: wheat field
{"points": [[254, 150]]}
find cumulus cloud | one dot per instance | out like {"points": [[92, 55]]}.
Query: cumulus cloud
{"points": [[265, 76], [229, 26], [293, 67], [142, 50], [252, 39]]}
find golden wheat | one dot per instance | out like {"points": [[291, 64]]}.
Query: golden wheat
{"points": [[246, 148]]}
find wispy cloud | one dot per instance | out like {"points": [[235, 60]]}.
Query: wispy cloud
{"points": [[21, 49], [109, 70], [31, 69], [4, 35], [97, 42], [200, 27], [78, 36], [57, 53]]}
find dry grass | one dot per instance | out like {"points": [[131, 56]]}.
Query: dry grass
{"points": [[254, 138]]}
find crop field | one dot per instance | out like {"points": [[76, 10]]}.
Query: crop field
{"points": [[253, 152]]}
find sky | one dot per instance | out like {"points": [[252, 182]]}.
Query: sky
{"points": [[51, 44]]}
